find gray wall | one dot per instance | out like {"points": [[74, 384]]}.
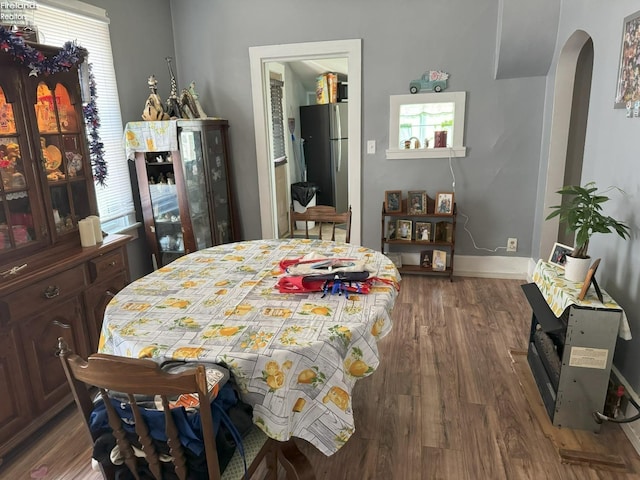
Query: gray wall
{"points": [[401, 40], [499, 184], [610, 158], [141, 38]]}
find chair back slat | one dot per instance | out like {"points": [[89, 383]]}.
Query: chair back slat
{"points": [[126, 450], [321, 214], [145, 439], [133, 376], [173, 440], [142, 376]]}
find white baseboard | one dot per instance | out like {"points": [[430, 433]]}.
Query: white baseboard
{"points": [[485, 267], [631, 430], [492, 267]]}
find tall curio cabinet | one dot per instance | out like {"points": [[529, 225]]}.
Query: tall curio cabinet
{"points": [[186, 195], [50, 286], [47, 182]]}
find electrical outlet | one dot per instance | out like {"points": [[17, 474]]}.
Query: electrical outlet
{"points": [[512, 244]]}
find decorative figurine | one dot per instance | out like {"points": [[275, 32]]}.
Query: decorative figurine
{"points": [[153, 109], [173, 106], [194, 94], [188, 105], [434, 80], [74, 163]]}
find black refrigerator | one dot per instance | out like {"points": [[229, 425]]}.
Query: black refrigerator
{"points": [[323, 129]]}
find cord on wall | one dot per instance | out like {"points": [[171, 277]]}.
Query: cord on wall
{"points": [[453, 185]]}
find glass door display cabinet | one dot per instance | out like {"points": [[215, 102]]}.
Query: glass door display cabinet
{"points": [[186, 194], [46, 178], [50, 286]]}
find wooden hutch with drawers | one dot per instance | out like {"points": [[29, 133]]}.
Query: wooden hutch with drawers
{"points": [[50, 286]]}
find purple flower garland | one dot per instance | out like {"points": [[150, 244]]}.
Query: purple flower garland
{"points": [[63, 61]]}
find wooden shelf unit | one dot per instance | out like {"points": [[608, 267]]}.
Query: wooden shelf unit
{"points": [[429, 217]]}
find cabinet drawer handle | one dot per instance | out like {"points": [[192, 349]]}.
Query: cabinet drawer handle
{"points": [[13, 270], [113, 264], [52, 291]]}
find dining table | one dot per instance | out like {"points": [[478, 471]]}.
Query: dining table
{"points": [[294, 356]]}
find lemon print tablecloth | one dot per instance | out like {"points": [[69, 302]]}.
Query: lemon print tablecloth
{"points": [[157, 136], [560, 293], [296, 357]]}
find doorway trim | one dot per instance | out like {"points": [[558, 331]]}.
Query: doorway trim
{"points": [[559, 136], [258, 57]]}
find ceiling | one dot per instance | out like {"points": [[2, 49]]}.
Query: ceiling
{"points": [[308, 70]]}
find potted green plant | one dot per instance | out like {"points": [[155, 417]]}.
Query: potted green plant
{"points": [[581, 210]]}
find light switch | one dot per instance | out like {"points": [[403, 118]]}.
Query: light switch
{"points": [[371, 146]]}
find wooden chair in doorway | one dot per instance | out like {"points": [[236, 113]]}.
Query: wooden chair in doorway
{"points": [[133, 376], [321, 215]]}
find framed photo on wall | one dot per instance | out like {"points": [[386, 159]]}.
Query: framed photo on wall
{"points": [[417, 202], [559, 254], [444, 203], [393, 201], [628, 88]]}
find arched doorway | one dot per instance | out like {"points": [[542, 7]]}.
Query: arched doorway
{"points": [[568, 130]]}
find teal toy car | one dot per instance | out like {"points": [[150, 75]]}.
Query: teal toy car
{"points": [[433, 81]]}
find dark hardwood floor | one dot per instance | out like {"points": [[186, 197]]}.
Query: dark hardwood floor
{"points": [[449, 401]]}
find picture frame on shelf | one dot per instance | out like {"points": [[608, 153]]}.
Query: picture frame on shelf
{"points": [[423, 231], [439, 261], [417, 202], [559, 253], [591, 280], [628, 90], [393, 201], [391, 231], [443, 232], [396, 258], [403, 230], [425, 258], [444, 203]]}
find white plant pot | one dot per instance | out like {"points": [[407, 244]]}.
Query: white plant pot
{"points": [[575, 269]]}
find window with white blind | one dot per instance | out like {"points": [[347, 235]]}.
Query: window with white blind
{"points": [[277, 120], [57, 23]]}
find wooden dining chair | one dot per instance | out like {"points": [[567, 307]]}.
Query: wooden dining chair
{"points": [[321, 214], [133, 376]]}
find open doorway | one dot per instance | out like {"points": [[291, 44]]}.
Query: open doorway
{"points": [[302, 136], [261, 59], [568, 130]]}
